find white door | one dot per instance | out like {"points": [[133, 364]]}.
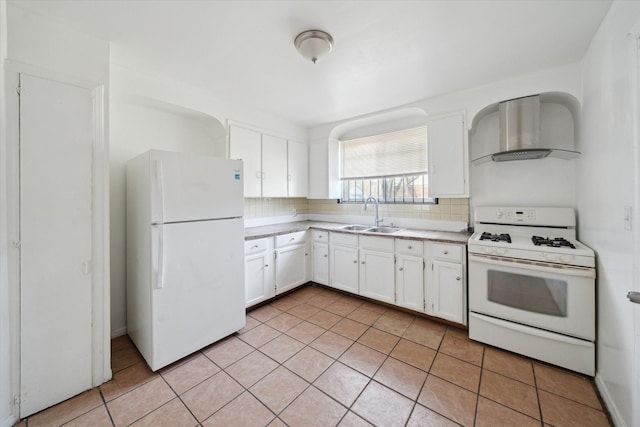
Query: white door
{"points": [[56, 147], [448, 166], [298, 169], [274, 166], [256, 271], [377, 275], [188, 187], [200, 297], [245, 144], [448, 292], [321, 263], [343, 268], [410, 282], [291, 267]]}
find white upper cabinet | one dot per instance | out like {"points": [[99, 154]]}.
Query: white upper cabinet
{"points": [[298, 168], [324, 167], [246, 144], [448, 156], [274, 166]]}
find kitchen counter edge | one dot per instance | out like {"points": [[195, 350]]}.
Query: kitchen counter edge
{"points": [[252, 233]]}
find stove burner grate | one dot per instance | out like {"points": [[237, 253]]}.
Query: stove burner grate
{"points": [[504, 237], [557, 242]]}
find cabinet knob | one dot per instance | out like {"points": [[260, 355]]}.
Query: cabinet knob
{"points": [[266, 265], [410, 246], [306, 254], [362, 262], [355, 262], [400, 269], [458, 278], [254, 246], [292, 239], [446, 252], [325, 255]]}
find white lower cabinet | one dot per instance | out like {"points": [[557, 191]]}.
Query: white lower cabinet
{"points": [[410, 267], [446, 286], [258, 270], [320, 257], [291, 260], [448, 292], [377, 261], [343, 262]]}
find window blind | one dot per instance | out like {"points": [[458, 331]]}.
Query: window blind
{"points": [[390, 154]]}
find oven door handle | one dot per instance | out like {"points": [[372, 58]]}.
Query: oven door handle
{"points": [[570, 270]]}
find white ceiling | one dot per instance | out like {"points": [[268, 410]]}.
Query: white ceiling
{"points": [[386, 54]]}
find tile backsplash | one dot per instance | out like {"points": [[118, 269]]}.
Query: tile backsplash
{"points": [[446, 209]]}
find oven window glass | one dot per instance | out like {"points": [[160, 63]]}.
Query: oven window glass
{"points": [[534, 294]]}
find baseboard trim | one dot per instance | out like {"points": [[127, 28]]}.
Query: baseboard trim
{"points": [[118, 332], [10, 421], [617, 419]]}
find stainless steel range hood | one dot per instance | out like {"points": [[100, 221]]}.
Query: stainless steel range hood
{"points": [[520, 130], [520, 133]]}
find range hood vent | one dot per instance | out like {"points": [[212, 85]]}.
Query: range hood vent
{"points": [[520, 133]]}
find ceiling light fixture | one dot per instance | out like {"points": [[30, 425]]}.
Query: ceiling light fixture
{"points": [[314, 44]]}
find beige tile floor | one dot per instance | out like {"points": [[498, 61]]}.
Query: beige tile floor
{"points": [[321, 358]]}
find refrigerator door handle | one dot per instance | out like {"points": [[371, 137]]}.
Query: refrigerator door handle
{"points": [[160, 190]]}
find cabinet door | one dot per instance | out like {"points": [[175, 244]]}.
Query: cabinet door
{"points": [[258, 278], [448, 291], [410, 282], [274, 166], [377, 279], [291, 267], [56, 152], [324, 173], [448, 154], [245, 144], [298, 170], [321, 263], [343, 268]]}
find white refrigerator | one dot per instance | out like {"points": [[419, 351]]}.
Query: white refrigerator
{"points": [[185, 253]]}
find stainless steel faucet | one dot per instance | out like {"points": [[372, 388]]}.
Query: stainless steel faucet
{"points": [[378, 219]]}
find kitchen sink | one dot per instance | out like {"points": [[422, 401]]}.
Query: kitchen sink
{"points": [[354, 227], [384, 230]]}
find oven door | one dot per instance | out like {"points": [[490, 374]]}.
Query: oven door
{"points": [[547, 296]]}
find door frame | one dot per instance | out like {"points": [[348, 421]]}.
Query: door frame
{"points": [[634, 47], [9, 170]]}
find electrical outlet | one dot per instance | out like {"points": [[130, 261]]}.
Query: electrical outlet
{"points": [[627, 217]]}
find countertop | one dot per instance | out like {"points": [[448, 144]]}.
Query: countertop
{"points": [[252, 233]]}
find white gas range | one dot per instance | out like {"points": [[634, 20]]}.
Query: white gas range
{"points": [[532, 285]]}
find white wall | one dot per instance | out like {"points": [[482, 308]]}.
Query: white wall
{"points": [[605, 184], [6, 409], [33, 41], [536, 182], [148, 112]]}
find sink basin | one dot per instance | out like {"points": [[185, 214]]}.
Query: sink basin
{"points": [[354, 227], [384, 230]]}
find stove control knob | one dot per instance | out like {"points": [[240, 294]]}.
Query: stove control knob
{"points": [[501, 251], [565, 258], [548, 257], [499, 214]]}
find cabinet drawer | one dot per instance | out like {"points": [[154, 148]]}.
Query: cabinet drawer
{"points": [[291, 239], [409, 247], [343, 239], [320, 236], [447, 252], [255, 246], [376, 243]]}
